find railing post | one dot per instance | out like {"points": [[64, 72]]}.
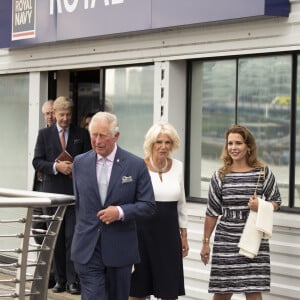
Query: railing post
{"points": [[39, 288], [23, 258]]}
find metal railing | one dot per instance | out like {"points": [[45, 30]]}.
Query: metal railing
{"points": [[33, 286]]}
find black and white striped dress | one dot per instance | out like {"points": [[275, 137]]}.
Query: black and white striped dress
{"points": [[228, 197]]}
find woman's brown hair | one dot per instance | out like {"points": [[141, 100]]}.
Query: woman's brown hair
{"points": [[251, 158]]}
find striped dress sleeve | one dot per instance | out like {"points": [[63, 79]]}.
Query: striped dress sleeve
{"points": [[214, 204]]}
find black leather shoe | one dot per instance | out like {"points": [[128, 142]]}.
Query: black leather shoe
{"points": [[59, 288], [74, 288], [51, 282]]}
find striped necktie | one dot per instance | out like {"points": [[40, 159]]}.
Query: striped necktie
{"points": [[62, 139]]}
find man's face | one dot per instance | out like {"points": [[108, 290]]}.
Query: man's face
{"points": [[49, 115], [63, 117], [101, 139]]}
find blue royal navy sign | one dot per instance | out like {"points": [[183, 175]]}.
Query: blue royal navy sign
{"points": [[32, 22], [23, 19]]}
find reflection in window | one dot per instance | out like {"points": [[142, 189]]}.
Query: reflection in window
{"points": [[264, 107], [262, 87], [212, 111], [14, 95], [297, 153], [130, 91]]}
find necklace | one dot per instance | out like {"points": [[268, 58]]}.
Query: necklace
{"points": [[159, 170]]}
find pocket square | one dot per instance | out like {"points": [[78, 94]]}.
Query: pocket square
{"points": [[126, 179]]}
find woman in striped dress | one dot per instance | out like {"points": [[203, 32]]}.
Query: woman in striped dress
{"points": [[233, 192]]}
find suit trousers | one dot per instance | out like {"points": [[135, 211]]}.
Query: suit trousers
{"points": [[101, 282]]}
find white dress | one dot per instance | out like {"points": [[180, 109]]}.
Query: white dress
{"points": [[160, 272]]}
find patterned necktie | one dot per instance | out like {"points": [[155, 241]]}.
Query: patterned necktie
{"points": [[62, 139], [103, 181]]}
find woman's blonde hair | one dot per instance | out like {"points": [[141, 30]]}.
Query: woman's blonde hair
{"points": [[251, 157], [153, 133]]}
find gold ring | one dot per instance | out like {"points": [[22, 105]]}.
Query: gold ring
{"points": [[106, 222]]}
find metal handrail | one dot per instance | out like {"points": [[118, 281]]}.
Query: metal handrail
{"points": [[37, 282]]}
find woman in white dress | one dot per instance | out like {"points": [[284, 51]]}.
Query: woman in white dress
{"points": [[162, 238]]}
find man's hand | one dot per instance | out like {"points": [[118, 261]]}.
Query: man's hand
{"points": [[64, 167], [109, 214]]}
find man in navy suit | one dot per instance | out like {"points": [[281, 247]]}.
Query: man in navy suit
{"points": [[105, 245], [58, 179]]}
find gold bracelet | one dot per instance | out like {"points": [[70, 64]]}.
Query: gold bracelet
{"points": [[205, 241]]}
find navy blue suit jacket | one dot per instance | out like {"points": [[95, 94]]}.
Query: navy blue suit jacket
{"points": [[48, 148], [130, 188]]}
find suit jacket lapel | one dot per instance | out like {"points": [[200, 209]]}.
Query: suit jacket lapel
{"points": [[55, 138], [91, 165], [91, 173], [70, 137]]}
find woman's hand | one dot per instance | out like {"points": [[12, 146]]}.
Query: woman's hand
{"points": [[205, 252], [185, 246], [253, 203]]}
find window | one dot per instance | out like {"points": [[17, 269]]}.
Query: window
{"points": [[129, 93], [252, 91], [212, 110], [14, 95], [297, 140]]}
